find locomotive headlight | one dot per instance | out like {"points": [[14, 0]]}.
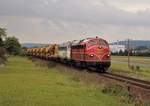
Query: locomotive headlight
{"points": [[92, 55], [109, 54]]}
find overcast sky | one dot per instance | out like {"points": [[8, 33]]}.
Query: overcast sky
{"points": [[49, 21]]}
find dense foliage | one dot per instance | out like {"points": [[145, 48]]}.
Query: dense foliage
{"points": [[12, 45]]}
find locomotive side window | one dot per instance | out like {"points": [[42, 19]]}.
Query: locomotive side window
{"points": [[92, 43], [78, 47]]}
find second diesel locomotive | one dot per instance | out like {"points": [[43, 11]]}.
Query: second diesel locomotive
{"points": [[89, 52]]}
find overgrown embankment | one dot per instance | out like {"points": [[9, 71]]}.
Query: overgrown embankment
{"points": [[88, 78]]}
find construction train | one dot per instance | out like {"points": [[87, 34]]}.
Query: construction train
{"points": [[89, 52]]}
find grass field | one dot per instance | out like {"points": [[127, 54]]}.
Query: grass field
{"points": [[22, 83], [142, 62], [134, 59]]}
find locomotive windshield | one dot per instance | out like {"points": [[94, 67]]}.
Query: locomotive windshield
{"points": [[92, 43], [103, 42]]}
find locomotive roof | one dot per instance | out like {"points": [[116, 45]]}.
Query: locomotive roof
{"points": [[78, 42]]}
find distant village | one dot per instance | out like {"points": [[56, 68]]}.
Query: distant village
{"points": [[135, 48]]}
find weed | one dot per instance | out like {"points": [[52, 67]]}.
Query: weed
{"points": [[142, 104], [132, 67], [137, 67], [51, 64], [119, 90]]}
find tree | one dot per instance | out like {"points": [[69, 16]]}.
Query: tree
{"points": [[12, 45], [126, 52], [120, 53], [2, 35]]}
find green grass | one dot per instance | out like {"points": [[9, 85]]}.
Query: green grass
{"points": [[22, 83], [142, 73], [134, 59]]}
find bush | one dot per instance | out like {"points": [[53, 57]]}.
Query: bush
{"points": [[119, 90], [12, 45], [142, 104], [137, 67], [132, 67]]}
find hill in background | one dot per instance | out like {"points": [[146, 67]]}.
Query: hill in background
{"points": [[134, 43]]}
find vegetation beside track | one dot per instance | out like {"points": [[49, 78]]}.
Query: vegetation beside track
{"points": [[24, 83], [133, 59], [136, 71]]}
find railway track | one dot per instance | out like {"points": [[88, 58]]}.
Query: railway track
{"points": [[133, 81]]}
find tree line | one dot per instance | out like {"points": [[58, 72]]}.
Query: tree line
{"points": [[8, 45], [132, 53]]}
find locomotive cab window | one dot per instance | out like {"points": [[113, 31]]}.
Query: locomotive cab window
{"points": [[92, 43]]}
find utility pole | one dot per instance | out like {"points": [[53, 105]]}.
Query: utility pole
{"points": [[128, 53]]}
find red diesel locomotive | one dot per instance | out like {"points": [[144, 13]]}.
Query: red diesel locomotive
{"points": [[92, 52]]}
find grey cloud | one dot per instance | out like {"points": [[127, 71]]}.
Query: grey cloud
{"points": [[76, 11], [66, 18]]}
